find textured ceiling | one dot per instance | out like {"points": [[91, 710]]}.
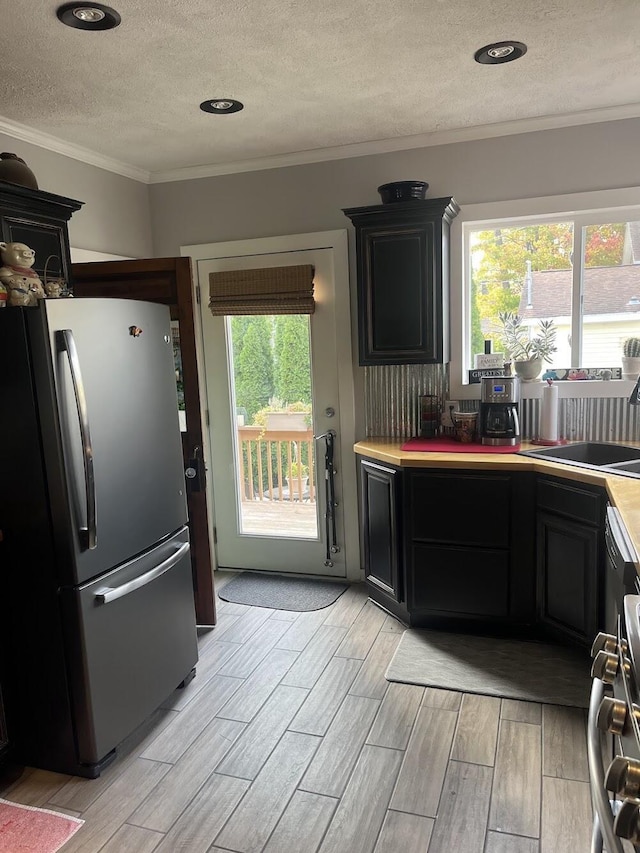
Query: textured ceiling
{"points": [[311, 74]]}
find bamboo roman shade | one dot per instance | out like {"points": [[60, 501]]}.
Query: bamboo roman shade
{"points": [[277, 290]]}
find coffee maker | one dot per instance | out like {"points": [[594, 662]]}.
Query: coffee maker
{"points": [[499, 415]]}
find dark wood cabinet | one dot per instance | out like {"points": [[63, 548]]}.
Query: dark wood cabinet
{"points": [[449, 547], [570, 557], [449, 544], [469, 546], [568, 577], [403, 281], [38, 219], [4, 737], [381, 532]]}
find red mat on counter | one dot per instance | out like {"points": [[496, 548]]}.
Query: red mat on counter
{"points": [[450, 445]]}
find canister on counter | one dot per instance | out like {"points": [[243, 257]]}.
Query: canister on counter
{"points": [[428, 415]]}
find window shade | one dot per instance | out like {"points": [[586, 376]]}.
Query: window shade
{"points": [[277, 290]]}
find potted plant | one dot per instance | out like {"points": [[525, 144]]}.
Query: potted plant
{"points": [[631, 358], [527, 352], [278, 415], [298, 478]]}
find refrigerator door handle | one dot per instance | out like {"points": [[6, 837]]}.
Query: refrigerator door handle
{"points": [[107, 594], [88, 534]]}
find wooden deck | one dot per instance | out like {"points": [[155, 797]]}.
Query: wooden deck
{"points": [[280, 518]]}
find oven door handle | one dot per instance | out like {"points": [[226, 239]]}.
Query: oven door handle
{"points": [[603, 825]]}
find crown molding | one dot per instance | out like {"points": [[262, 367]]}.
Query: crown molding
{"points": [[68, 149], [316, 155], [404, 143]]}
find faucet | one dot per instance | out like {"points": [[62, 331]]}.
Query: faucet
{"points": [[634, 399]]}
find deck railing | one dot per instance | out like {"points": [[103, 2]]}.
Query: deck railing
{"points": [[265, 459]]}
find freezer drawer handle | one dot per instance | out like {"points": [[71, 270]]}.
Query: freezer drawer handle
{"points": [[104, 596], [88, 534]]}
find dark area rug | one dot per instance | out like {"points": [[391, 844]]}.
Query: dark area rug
{"points": [[512, 669], [281, 593]]}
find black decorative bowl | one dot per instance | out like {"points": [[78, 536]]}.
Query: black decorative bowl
{"points": [[403, 191]]}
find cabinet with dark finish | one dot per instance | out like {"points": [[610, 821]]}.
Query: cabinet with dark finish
{"points": [[381, 514], [570, 556], [403, 280], [4, 738], [38, 219], [469, 546]]}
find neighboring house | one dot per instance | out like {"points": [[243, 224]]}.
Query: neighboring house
{"points": [[611, 309]]}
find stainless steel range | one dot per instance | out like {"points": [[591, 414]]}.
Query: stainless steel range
{"points": [[614, 766]]}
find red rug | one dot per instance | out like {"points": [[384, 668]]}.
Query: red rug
{"points": [[450, 445], [26, 829]]}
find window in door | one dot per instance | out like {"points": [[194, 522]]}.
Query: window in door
{"points": [[271, 392]]}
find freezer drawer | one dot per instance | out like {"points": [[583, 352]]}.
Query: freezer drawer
{"points": [[132, 640]]}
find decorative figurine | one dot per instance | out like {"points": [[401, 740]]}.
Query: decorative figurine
{"points": [[16, 274], [54, 288]]}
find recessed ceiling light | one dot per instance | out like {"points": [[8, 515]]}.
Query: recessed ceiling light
{"points": [[499, 52], [88, 16], [221, 106]]}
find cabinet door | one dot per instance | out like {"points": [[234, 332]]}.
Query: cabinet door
{"points": [[399, 306], [380, 516], [38, 219], [4, 740], [403, 280], [568, 577], [458, 581]]}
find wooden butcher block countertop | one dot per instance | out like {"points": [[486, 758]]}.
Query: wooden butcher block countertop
{"points": [[624, 492]]}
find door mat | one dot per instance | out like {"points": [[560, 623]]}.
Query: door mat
{"points": [[281, 593], [27, 829], [512, 669], [450, 445]]}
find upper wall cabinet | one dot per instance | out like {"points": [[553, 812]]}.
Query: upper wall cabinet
{"points": [[403, 280], [39, 219]]}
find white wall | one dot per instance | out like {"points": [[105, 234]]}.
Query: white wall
{"points": [[115, 216]]}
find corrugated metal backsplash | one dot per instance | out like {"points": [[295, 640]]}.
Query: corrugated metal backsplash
{"points": [[391, 406]]}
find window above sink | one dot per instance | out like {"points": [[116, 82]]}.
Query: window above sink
{"points": [[583, 254]]}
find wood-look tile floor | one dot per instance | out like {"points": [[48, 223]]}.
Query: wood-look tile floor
{"points": [[289, 740]]}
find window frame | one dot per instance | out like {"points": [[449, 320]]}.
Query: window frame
{"points": [[583, 209]]}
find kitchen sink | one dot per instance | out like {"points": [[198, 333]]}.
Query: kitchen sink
{"points": [[632, 467], [619, 458]]}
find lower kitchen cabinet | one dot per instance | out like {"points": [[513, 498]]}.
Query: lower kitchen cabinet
{"points": [[568, 574], [570, 557], [382, 517], [468, 545], [449, 544], [4, 740], [448, 547]]}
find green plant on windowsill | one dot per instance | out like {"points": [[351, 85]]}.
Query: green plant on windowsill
{"points": [[526, 351], [631, 358]]}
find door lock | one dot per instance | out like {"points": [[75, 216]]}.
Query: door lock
{"points": [[330, 412]]}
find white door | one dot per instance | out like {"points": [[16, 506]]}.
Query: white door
{"points": [[272, 495]]}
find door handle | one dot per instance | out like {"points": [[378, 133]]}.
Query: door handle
{"points": [[107, 593], [88, 534]]}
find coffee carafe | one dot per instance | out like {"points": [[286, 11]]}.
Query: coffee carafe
{"points": [[499, 415]]}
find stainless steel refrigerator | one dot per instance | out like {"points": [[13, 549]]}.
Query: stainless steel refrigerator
{"points": [[97, 617]]}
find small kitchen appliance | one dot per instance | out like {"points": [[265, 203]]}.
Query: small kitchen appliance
{"points": [[499, 416]]}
